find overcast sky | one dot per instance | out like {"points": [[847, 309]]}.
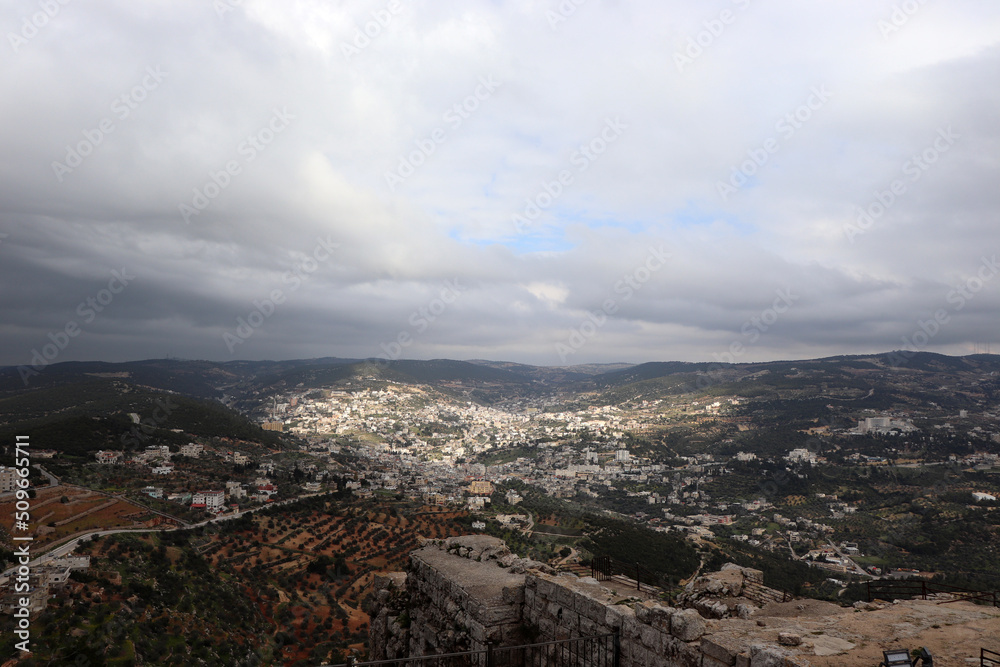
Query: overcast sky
{"points": [[537, 181]]}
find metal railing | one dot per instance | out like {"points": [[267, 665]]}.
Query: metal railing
{"points": [[988, 658], [923, 589], [603, 568], [597, 651]]}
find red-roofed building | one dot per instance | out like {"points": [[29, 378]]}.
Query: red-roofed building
{"points": [[208, 500]]}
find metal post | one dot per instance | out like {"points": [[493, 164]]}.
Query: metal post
{"points": [[616, 650], [638, 584], [489, 655]]}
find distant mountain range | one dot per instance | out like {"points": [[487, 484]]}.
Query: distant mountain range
{"points": [[209, 379], [66, 400]]}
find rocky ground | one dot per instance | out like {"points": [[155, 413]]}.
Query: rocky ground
{"points": [[828, 635]]}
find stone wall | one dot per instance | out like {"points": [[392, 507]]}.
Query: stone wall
{"points": [[464, 592], [567, 606], [459, 594], [733, 591]]}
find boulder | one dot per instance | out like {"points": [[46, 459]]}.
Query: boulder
{"points": [[687, 625]]}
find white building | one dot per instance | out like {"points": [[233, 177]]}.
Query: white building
{"points": [[801, 456], [621, 456], [210, 499], [192, 449], [157, 451], [8, 477], [477, 502], [884, 425], [103, 456]]}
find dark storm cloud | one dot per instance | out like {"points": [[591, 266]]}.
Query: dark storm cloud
{"points": [[355, 170]]}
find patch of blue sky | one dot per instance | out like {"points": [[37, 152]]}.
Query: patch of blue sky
{"points": [[693, 216], [632, 226], [537, 239]]}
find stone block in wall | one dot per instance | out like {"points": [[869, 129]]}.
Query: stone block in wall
{"points": [[752, 575], [546, 627], [534, 612], [512, 634], [477, 632], [709, 661], [688, 655], [642, 656], [592, 609], [589, 628], [498, 614], [743, 660], [629, 652], [451, 608], [543, 587], [764, 656], [571, 622], [630, 629], [513, 595], [721, 649], [650, 638], [563, 595], [687, 625], [670, 646], [642, 611], [659, 617], [614, 615]]}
